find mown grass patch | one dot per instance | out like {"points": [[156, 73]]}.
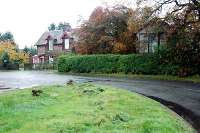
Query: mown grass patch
{"points": [[192, 79], [85, 108]]}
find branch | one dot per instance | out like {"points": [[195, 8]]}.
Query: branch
{"points": [[176, 10], [182, 5], [196, 3]]}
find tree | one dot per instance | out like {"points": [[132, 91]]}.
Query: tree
{"points": [[23, 58], [92, 35], [97, 15], [64, 26], [61, 26], [30, 50], [10, 48], [52, 27], [26, 49], [106, 28], [184, 32], [33, 51], [5, 59], [177, 6], [7, 36], [185, 11]]}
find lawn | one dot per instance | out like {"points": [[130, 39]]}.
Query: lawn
{"points": [[85, 108], [192, 79]]}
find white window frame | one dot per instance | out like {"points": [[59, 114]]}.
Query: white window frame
{"points": [[66, 43], [50, 44], [50, 59]]}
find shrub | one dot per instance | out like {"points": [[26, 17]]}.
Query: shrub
{"points": [[88, 63], [10, 66], [136, 64]]}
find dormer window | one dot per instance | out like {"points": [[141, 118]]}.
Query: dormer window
{"points": [[50, 44], [65, 38], [66, 43]]}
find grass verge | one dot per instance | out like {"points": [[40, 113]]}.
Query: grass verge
{"points": [[85, 108], [192, 79]]}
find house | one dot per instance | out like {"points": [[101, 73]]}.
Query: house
{"points": [[53, 43], [35, 61], [152, 36]]}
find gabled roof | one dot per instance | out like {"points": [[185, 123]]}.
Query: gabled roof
{"points": [[155, 25], [54, 35]]}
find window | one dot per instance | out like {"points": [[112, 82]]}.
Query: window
{"points": [[42, 59], [55, 41], [50, 59], [50, 44], [66, 43]]}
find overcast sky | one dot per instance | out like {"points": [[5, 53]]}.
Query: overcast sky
{"points": [[28, 19]]}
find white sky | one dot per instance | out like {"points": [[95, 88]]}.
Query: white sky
{"points": [[28, 19]]}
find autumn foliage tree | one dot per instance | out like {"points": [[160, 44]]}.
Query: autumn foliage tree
{"points": [[107, 31], [9, 53]]}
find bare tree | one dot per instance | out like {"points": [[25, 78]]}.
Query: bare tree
{"points": [[175, 7]]}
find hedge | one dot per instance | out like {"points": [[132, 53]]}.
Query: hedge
{"points": [[136, 64], [10, 66]]}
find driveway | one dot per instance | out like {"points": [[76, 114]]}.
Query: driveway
{"points": [[185, 94]]}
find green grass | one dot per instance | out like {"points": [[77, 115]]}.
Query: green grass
{"points": [[193, 79], [85, 108]]}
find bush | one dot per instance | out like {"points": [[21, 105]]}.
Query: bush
{"points": [[135, 64], [9, 66], [88, 63]]}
